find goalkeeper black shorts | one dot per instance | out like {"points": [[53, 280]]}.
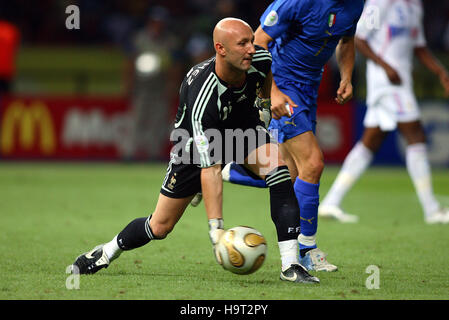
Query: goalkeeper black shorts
{"points": [[184, 179]]}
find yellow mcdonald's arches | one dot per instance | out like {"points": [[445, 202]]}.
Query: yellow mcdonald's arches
{"points": [[27, 119]]}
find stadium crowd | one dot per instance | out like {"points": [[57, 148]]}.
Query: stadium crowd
{"points": [[178, 29], [113, 21], [187, 22]]}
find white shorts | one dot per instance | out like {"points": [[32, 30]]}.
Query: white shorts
{"points": [[390, 108]]}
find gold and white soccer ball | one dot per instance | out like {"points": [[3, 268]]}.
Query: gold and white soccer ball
{"points": [[241, 250]]}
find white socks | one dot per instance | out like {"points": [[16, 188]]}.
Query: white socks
{"points": [[111, 249], [359, 159], [307, 241], [419, 170], [356, 162], [289, 253]]}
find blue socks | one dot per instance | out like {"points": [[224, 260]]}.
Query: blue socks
{"points": [[307, 195], [239, 175], [308, 200]]}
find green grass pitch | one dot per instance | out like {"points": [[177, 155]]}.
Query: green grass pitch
{"points": [[50, 213]]}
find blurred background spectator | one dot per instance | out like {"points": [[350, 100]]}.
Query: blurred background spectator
{"points": [[153, 72], [9, 41]]}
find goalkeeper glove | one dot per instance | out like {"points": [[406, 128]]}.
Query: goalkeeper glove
{"points": [[216, 231], [263, 103], [264, 106]]}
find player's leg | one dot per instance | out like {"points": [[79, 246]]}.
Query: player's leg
{"points": [[238, 174], [299, 145], [137, 233], [288, 159], [308, 161], [140, 231], [181, 183], [296, 134], [418, 167], [354, 165], [417, 161], [266, 162], [380, 118]]}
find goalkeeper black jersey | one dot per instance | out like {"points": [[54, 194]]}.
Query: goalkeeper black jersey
{"points": [[208, 105]]}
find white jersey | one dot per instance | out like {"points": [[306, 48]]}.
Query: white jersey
{"points": [[392, 28]]}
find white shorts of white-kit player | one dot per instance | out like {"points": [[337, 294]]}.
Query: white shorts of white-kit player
{"points": [[391, 107]]}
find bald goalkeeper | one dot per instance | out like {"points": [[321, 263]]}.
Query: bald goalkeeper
{"points": [[217, 97]]}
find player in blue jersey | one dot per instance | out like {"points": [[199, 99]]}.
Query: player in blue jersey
{"points": [[302, 35]]}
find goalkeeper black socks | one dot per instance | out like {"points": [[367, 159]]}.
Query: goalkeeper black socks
{"points": [[283, 204], [136, 234]]}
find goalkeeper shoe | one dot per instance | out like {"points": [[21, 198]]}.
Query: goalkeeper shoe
{"points": [[297, 273], [91, 262], [196, 199], [315, 260], [334, 212]]}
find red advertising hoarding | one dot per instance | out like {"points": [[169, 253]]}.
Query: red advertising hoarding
{"points": [[335, 130], [63, 128]]}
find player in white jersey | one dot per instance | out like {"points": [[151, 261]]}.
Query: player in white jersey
{"points": [[389, 35]]}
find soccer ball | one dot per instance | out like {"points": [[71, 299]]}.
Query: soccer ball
{"points": [[241, 250]]}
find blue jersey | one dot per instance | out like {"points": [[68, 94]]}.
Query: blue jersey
{"points": [[306, 33]]}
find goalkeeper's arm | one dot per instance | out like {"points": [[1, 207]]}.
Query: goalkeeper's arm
{"points": [[212, 189]]}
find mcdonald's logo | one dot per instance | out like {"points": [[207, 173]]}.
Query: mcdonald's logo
{"points": [[32, 125]]}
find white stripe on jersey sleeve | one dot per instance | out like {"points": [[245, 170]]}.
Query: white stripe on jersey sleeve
{"points": [[198, 111], [262, 58], [262, 53]]}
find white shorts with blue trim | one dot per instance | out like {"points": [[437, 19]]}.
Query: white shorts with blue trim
{"points": [[390, 108]]}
